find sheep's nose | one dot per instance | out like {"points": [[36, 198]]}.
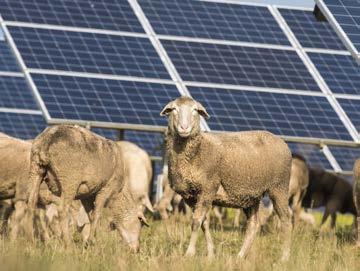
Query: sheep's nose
{"points": [[184, 126]]}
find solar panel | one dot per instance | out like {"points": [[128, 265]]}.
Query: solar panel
{"points": [[15, 93], [310, 32], [250, 66], [88, 52], [7, 60], [352, 109], [153, 143], [105, 14], [90, 99], [340, 72], [345, 156], [213, 21], [315, 158], [24, 126], [345, 17], [282, 114]]}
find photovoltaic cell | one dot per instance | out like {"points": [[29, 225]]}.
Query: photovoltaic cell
{"points": [[15, 93], [104, 14], [352, 109], [282, 114], [24, 126], [345, 156], [250, 66], [310, 32], [221, 21], [347, 14], [88, 52], [340, 72], [7, 60], [314, 157], [91, 99]]}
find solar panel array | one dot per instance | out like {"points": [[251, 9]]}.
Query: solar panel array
{"points": [[344, 16], [116, 63]]}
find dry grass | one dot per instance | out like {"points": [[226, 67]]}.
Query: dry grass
{"points": [[164, 243]]}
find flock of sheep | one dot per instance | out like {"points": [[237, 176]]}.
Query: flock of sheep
{"points": [[67, 175]]}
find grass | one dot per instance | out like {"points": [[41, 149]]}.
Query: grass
{"points": [[164, 244]]}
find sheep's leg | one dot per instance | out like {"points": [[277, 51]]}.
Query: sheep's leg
{"points": [[358, 229], [64, 211], [200, 211], [17, 216], [88, 205], [219, 217], [253, 225], [279, 197], [99, 204], [209, 242], [43, 228], [324, 218], [296, 208], [237, 218], [333, 220]]}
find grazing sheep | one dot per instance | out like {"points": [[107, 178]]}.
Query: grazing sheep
{"points": [[356, 172], [329, 190], [138, 173], [225, 169], [299, 181], [79, 165]]}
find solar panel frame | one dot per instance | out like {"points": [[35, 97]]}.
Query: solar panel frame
{"points": [[352, 42]]}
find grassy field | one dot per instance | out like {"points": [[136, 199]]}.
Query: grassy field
{"points": [[164, 243]]}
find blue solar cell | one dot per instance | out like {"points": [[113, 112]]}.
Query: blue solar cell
{"points": [[153, 143], [282, 114], [345, 156], [310, 32], [315, 158], [214, 63], [88, 52], [352, 109], [68, 97], [105, 14], [22, 126], [347, 14], [7, 59], [107, 133], [340, 72], [15, 93], [214, 21]]}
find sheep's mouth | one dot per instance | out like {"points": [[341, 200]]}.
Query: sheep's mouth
{"points": [[184, 134]]}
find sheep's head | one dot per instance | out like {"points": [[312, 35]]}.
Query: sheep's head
{"points": [[184, 116]]}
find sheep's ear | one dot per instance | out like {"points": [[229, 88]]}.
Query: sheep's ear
{"points": [[202, 111], [143, 219], [167, 109]]}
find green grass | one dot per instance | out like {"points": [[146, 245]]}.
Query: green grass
{"points": [[164, 243]]}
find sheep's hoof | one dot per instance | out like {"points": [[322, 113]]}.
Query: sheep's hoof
{"points": [[190, 252]]}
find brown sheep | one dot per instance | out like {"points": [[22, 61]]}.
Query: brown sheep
{"points": [[299, 181], [225, 169], [138, 173], [80, 165], [356, 172]]}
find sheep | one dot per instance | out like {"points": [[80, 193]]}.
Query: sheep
{"points": [[225, 169], [138, 173], [356, 172], [329, 190], [299, 181], [81, 165]]}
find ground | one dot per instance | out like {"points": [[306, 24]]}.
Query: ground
{"points": [[164, 244]]}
